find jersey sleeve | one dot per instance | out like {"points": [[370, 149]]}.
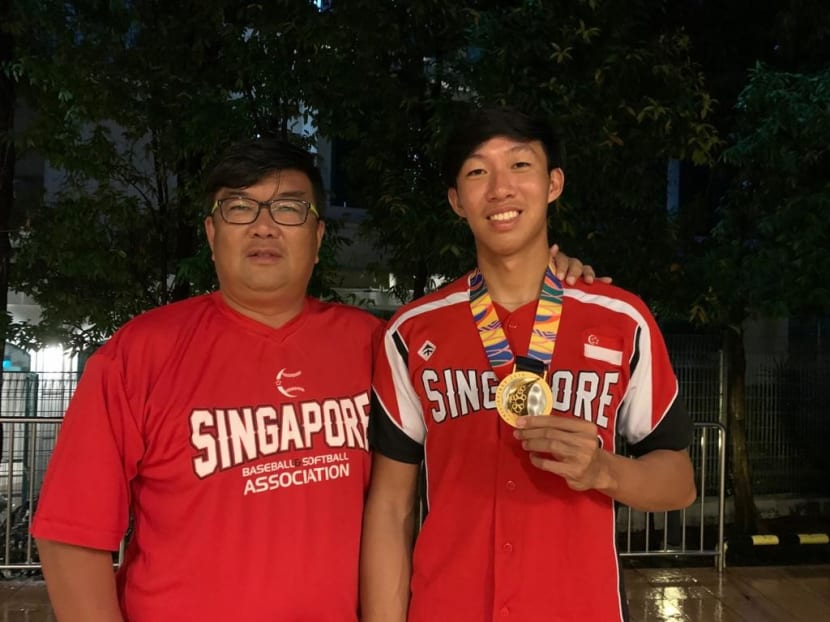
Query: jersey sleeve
{"points": [[396, 423], [652, 415], [86, 491]]}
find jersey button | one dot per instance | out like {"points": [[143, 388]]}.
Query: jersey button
{"points": [[504, 612], [510, 485], [507, 547]]}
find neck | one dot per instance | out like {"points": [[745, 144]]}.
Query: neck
{"points": [[274, 313], [515, 280]]}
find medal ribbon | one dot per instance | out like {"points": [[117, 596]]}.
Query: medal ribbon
{"points": [[545, 325]]}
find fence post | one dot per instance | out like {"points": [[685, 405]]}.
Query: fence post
{"points": [[722, 388], [30, 392]]}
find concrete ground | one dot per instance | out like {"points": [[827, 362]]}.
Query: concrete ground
{"points": [[740, 594]]}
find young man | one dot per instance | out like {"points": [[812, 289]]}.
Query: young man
{"points": [[230, 427], [510, 387]]}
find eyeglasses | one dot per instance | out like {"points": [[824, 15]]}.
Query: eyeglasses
{"points": [[244, 211]]}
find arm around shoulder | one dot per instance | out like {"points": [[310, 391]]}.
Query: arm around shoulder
{"points": [[386, 549], [80, 582]]}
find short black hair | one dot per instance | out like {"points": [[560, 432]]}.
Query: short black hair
{"points": [[247, 162], [481, 124]]}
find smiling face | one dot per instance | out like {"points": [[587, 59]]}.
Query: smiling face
{"points": [[264, 267], [503, 190]]}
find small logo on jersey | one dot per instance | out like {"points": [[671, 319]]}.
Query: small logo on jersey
{"points": [[281, 377], [427, 350], [593, 340]]}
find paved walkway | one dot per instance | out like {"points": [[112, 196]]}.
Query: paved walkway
{"points": [[741, 594], [24, 602]]}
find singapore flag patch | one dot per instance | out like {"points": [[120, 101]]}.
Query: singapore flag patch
{"points": [[602, 348]]}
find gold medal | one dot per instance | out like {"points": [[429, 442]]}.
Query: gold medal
{"points": [[526, 390], [523, 393]]}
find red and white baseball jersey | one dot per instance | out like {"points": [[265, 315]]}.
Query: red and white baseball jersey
{"points": [[504, 540], [240, 451]]}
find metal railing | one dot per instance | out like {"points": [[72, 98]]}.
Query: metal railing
{"points": [[28, 443], [786, 408], [696, 531]]}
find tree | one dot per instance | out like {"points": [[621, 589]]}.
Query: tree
{"points": [[7, 157], [8, 98], [387, 92], [133, 100], [620, 86], [791, 36], [622, 90], [776, 213]]}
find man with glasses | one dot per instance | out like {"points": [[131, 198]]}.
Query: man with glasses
{"points": [[230, 427]]}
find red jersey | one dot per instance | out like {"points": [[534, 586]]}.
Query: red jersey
{"points": [[241, 453], [502, 539]]}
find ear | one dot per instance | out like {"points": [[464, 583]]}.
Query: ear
{"points": [[452, 197], [210, 232], [321, 231], [557, 184]]}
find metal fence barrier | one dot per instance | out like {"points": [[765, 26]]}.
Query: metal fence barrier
{"points": [[27, 445], [31, 411], [696, 531]]}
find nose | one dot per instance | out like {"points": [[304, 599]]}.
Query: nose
{"points": [[264, 225], [500, 185]]}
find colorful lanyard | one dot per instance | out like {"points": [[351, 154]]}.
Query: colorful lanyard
{"points": [[545, 325]]}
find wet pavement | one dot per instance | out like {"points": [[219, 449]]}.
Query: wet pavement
{"points": [[24, 601], [740, 594]]}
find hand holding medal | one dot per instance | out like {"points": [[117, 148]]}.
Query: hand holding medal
{"points": [[568, 447]]}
